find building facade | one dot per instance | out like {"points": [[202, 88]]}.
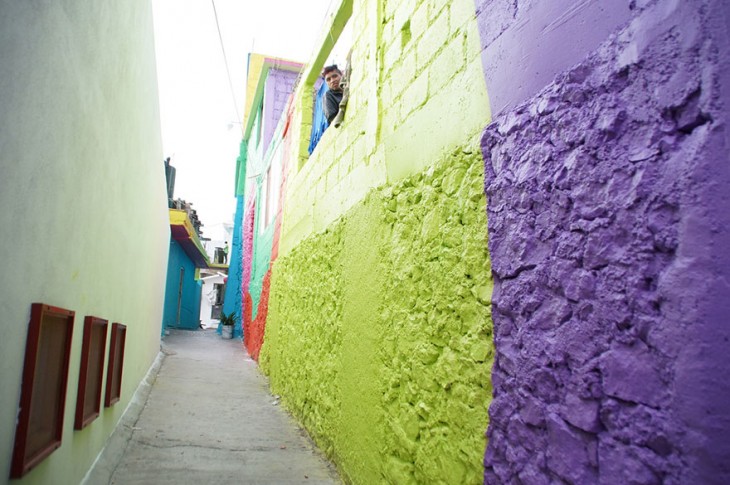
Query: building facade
{"points": [[184, 289], [260, 168], [377, 330], [557, 167], [606, 173], [84, 215]]}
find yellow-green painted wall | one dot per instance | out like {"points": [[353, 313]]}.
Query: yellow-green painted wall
{"points": [[379, 332], [82, 190], [410, 103]]}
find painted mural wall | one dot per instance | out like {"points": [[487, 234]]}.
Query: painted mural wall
{"points": [[266, 148], [607, 178], [379, 330], [378, 333], [269, 85], [82, 186], [604, 171]]}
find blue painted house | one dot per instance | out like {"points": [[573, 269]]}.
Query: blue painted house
{"points": [[187, 256]]}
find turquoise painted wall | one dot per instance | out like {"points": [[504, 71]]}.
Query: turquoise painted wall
{"points": [[190, 303], [232, 299]]}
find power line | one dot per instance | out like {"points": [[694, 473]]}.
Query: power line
{"points": [[225, 60]]}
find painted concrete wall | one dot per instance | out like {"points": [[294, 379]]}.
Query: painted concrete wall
{"points": [[82, 187], [232, 301], [263, 237], [416, 65], [378, 335], [180, 265], [247, 230], [379, 332], [607, 177], [279, 86], [260, 231], [207, 299]]}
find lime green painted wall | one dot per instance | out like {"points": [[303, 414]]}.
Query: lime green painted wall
{"points": [[379, 331], [411, 102]]}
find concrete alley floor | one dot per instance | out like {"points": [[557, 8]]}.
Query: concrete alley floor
{"points": [[209, 419]]}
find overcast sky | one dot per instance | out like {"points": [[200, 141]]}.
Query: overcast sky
{"points": [[201, 129]]}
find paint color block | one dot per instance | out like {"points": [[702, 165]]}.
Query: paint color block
{"points": [[379, 333]]}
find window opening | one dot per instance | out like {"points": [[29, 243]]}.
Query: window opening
{"points": [[93, 352], [115, 365], [339, 55], [218, 288], [43, 393]]}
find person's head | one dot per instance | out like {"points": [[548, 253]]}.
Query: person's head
{"points": [[332, 76]]}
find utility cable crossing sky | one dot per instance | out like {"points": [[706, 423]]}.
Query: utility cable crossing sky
{"points": [[202, 57]]}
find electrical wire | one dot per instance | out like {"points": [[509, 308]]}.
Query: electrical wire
{"points": [[225, 60]]}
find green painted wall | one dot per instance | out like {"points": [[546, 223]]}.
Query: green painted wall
{"points": [[379, 331]]}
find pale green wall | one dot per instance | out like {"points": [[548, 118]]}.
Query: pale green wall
{"points": [[82, 191]]}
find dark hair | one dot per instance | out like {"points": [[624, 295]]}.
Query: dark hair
{"points": [[329, 69]]}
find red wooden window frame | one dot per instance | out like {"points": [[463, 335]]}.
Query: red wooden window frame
{"points": [[116, 364], [91, 371], [43, 394]]}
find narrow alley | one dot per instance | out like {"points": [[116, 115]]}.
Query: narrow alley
{"points": [[208, 417], [454, 242]]}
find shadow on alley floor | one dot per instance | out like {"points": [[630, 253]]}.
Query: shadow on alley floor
{"points": [[208, 418]]}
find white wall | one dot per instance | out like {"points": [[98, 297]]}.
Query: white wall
{"points": [[82, 191], [208, 293]]}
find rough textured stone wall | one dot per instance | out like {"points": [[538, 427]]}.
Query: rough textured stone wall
{"points": [[608, 233], [436, 345], [379, 333], [415, 64], [247, 264]]}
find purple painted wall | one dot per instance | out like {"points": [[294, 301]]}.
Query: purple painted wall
{"points": [[525, 44], [608, 188], [279, 86]]}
